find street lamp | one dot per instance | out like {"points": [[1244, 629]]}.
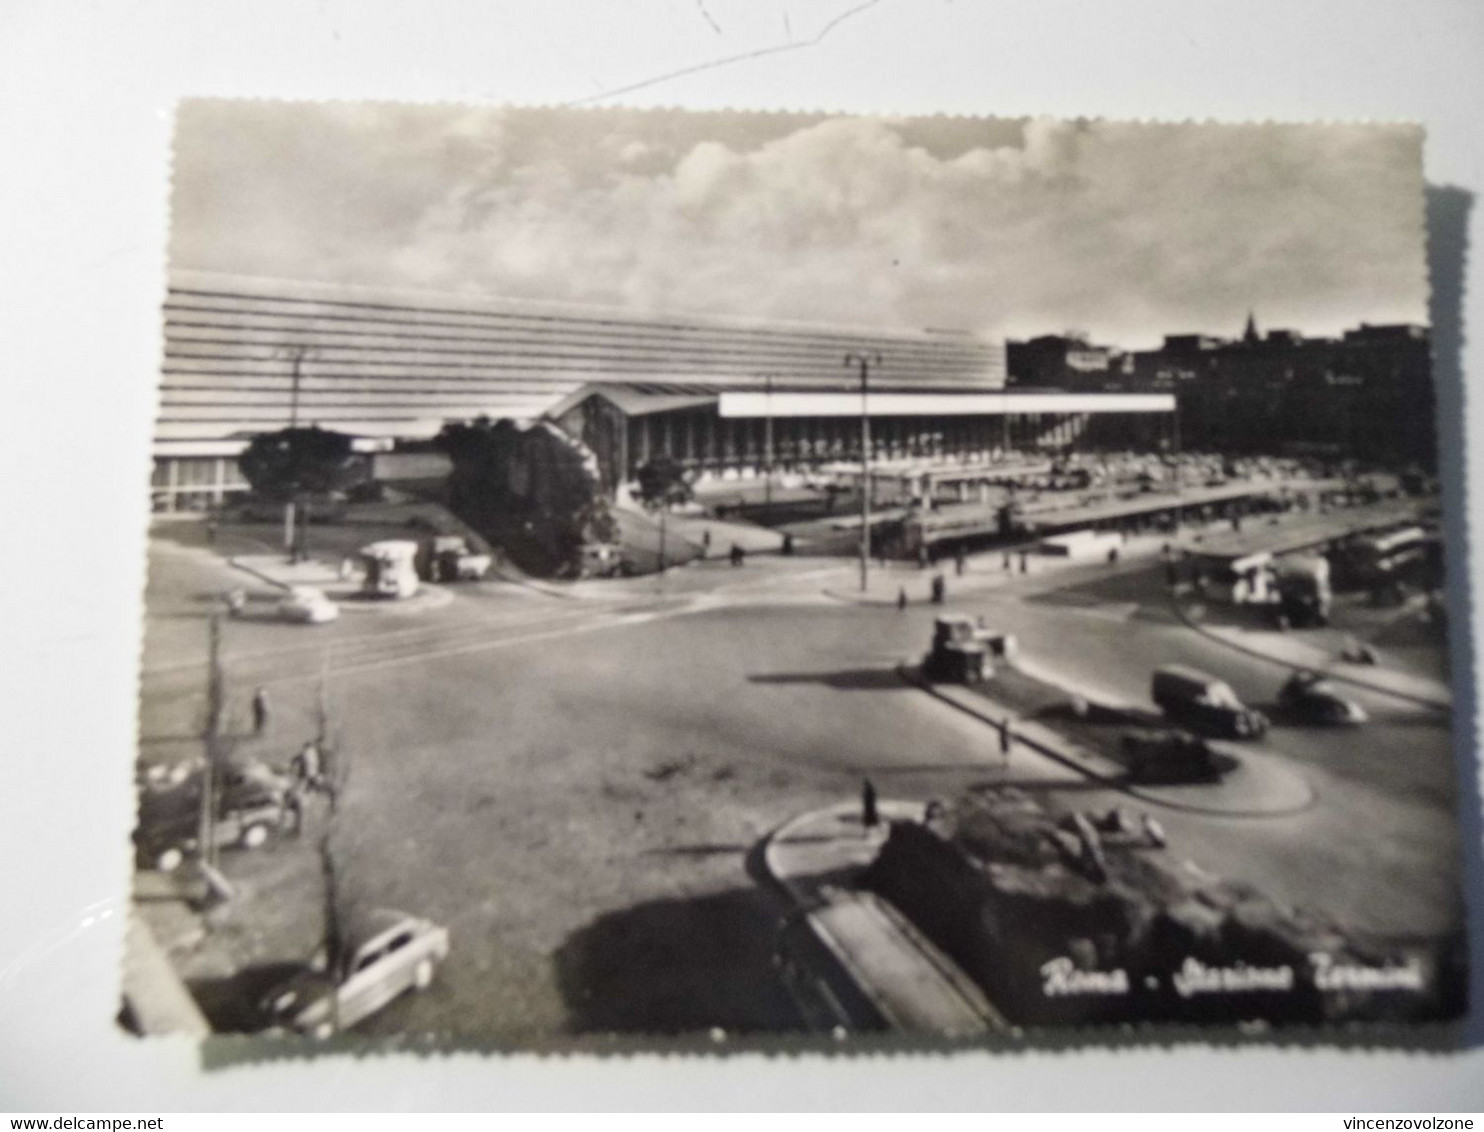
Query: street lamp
{"points": [[864, 361], [768, 447], [293, 523]]}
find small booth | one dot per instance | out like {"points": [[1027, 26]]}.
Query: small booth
{"points": [[390, 569]]}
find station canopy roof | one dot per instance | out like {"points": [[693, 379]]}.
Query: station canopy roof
{"points": [[647, 399]]}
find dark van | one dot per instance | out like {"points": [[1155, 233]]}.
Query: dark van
{"points": [[1203, 703]]}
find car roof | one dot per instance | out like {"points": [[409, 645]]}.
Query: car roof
{"points": [[367, 927], [1182, 672]]}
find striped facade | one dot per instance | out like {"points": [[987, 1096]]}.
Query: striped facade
{"points": [[395, 365]]}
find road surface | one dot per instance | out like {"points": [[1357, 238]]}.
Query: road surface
{"points": [[573, 785]]}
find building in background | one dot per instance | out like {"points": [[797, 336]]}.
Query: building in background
{"points": [[1366, 394]]}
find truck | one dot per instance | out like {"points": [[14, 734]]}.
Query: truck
{"points": [[1303, 590]]}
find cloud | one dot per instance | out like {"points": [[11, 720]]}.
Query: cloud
{"points": [[1129, 230]]}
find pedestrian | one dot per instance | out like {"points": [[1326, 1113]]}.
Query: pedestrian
{"points": [[1006, 741], [788, 544], [940, 589], [307, 766], [901, 598], [1007, 562], [960, 562], [705, 542], [922, 556], [1025, 562], [737, 554], [870, 818], [260, 711]]}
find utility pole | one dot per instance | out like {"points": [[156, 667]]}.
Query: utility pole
{"points": [[664, 506], [293, 520], [864, 361], [215, 713], [1175, 446], [768, 446]]}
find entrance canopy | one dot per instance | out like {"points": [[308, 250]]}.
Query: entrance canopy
{"points": [[750, 404]]}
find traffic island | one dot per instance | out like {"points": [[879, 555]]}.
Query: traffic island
{"points": [[1290, 651], [1087, 736], [345, 591]]}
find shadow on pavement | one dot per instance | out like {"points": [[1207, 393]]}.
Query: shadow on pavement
{"points": [[696, 851], [231, 1003], [848, 680], [678, 966]]}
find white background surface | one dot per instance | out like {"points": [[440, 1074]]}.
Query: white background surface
{"points": [[85, 97]]}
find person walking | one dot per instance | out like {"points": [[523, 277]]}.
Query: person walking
{"points": [[960, 562], [737, 554], [1025, 562], [1006, 741], [308, 768], [260, 711], [870, 817], [901, 598], [706, 542]]}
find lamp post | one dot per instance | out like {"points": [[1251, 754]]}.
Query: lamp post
{"points": [[293, 522], [768, 447], [864, 361]]}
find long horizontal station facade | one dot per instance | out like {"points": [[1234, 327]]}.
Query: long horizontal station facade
{"points": [[745, 433], [727, 396]]}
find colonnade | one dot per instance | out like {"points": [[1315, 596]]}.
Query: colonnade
{"points": [[707, 442]]}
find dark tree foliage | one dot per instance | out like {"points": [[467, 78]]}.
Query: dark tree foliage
{"points": [[301, 461], [663, 481], [534, 492]]}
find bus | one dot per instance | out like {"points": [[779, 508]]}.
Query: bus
{"points": [[1385, 558]]}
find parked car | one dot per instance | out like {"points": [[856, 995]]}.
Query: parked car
{"points": [[249, 812], [307, 605], [451, 560], [1164, 756], [385, 952], [1314, 699], [240, 778], [1205, 704]]}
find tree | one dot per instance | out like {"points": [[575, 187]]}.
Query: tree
{"points": [[295, 464], [298, 462], [535, 492], [663, 482]]}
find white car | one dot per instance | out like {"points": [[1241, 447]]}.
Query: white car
{"points": [[385, 953], [305, 605]]}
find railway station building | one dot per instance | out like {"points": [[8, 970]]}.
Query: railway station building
{"points": [[726, 396]]}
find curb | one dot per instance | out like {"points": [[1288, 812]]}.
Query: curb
{"points": [[890, 810], [1434, 703], [911, 676], [436, 596]]}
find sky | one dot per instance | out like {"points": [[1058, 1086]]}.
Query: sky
{"points": [[1124, 231]]}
